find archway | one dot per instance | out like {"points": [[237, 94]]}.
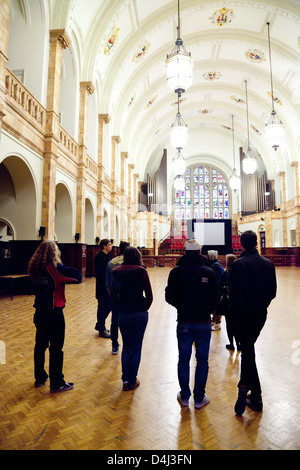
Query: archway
{"points": [[63, 215], [89, 223], [18, 198]]}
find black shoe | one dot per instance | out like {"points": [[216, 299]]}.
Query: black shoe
{"points": [[104, 334], [255, 405], [241, 401], [64, 388], [40, 384], [115, 350]]}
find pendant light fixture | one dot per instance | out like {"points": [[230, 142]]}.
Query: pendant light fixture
{"points": [[275, 134], [249, 163], [179, 183], [178, 163], [179, 130], [234, 180], [179, 65]]}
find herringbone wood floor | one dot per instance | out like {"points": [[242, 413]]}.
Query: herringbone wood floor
{"points": [[97, 414]]}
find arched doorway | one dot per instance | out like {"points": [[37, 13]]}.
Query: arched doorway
{"points": [[18, 198], [89, 223], [63, 215]]}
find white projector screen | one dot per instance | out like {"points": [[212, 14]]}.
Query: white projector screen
{"points": [[209, 233]]}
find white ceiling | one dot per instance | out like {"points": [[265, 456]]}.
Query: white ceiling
{"points": [[208, 106]]}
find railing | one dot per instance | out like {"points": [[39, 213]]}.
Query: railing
{"points": [[19, 96]]}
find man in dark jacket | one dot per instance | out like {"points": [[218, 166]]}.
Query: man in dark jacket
{"points": [[252, 286], [102, 295], [193, 290]]}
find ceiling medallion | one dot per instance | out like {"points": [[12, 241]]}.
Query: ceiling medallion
{"points": [[113, 39], [238, 100], [275, 98], [222, 16], [255, 56], [141, 52], [150, 102], [212, 75]]}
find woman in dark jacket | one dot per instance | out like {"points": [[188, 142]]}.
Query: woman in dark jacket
{"points": [[129, 283], [49, 277]]}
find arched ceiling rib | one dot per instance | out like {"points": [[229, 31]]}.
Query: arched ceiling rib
{"points": [[144, 130]]}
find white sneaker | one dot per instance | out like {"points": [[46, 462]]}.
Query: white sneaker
{"points": [[202, 403]]}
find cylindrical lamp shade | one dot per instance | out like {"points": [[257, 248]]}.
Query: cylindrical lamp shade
{"points": [[179, 183], [179, 71], [275, 135], [179, 135], [178, 164], [234, 182]]}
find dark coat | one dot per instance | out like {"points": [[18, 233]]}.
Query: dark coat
{"points": [[252, 286], [100, 262], [192, 289]]}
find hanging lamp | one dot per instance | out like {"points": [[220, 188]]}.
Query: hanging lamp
{"points": [[234, 180], [179, 183], [179, 131], [249, 163], [274, 130], [178, 163], [179, 64]]}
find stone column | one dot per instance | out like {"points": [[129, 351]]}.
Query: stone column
{"points": [[86, 89], [115, 140], [129, 202], [103, 120], [295, 166], [59, 40], [135, 205], [283, 208], [4, 28], [123, 208]]}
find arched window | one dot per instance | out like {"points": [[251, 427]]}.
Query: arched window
{"points": [[205, 196]]}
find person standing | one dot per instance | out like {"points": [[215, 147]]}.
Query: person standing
{"points": [[252, 286], [104, 305], [192, 289], [49, 277], [226, 308], [130, 282], [114, 263], [218, 269]]}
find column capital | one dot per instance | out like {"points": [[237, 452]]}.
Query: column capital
{"points": [[131, 166], [294, 164], [124, 155], [281, 173], [116, 139], [104, 117], [61, 36], [88, 86]]}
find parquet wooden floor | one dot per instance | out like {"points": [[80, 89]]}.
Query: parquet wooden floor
{"points": [[97, 414]]}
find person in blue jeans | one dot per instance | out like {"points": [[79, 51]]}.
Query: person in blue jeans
{"points": [[131, 295], [193, 290]]}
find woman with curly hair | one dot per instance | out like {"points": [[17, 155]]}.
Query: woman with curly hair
{"points": [[49, 277]]}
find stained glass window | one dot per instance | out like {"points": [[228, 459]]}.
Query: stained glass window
{"points": [[206, 194]]}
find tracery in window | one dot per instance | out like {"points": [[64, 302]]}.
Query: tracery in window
{"points": [[205, 196]]}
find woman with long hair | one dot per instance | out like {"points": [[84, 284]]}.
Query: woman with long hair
{"points": [[130, 282], [49, 277]]}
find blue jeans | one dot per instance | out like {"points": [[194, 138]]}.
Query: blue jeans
{"points": [[132, 327], [187, 334]]}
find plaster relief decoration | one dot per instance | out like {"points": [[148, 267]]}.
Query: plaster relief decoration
{"points": [[275, 98], [204, 111], [255, 130], [131, 100], [212, 76], [139, 55], [226, 127], [238, 100], [112, 41], [181, 100], [150, 102], [222, 16], [255, 56]]}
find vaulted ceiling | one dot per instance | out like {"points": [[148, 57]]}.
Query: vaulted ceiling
{"points": [[123, 44]]}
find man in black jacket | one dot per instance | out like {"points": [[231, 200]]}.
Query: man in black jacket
{"points": [[104, 304], [193, 290], [252, 286]]}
